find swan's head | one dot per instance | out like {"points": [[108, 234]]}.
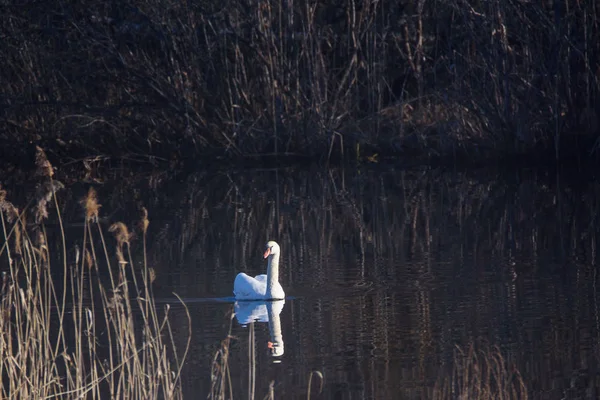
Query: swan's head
{"points": [[271, 248]]}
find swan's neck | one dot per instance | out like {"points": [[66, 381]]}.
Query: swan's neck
{"points": [[272, 274]]}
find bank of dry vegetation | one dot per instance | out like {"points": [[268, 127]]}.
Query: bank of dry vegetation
{"points": [[75, 321], [178, 79]]}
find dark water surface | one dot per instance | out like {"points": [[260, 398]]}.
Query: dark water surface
{"points": [[388, 274]]}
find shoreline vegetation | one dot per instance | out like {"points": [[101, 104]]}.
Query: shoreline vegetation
{"points": [[481, 371], [79, 323], [341, 80]]}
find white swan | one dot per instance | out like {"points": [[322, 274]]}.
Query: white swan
{"points": [[263, 287]]}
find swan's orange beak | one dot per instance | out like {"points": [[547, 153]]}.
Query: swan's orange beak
{"points": [[270, 345], [267, 252]]}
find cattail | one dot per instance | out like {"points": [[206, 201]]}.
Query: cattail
{"points": [[145, 222], [91, 206], [44, 168]]}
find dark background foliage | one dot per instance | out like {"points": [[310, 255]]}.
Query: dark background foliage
{"points": [[178, 79]]}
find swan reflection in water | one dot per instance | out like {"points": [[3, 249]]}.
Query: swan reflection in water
{"points": [[249, 312]]}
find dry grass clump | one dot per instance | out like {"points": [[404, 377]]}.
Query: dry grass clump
{"points": [[295, 77], [481, 375], [78, 337], [220, 375]]}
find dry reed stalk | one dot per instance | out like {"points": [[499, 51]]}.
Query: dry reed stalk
{"points": [[45, 355], [220, 376], [122, 235], [481, 374]]}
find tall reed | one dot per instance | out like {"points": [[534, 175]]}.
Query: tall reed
{"points": [[301, 76], [70, 332], [482, 374], [220, 375]]}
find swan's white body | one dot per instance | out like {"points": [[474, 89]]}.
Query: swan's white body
{"points": [[262, 287], [256, 311]]}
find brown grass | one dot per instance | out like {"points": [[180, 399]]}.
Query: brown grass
{"points": [[78, 337], [301, 77], [220, 375], [481, 374]]}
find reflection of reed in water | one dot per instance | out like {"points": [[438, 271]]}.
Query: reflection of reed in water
{"points": [[247, 314], [251, 312], [220, 374], [418, 238], [482, 374]]}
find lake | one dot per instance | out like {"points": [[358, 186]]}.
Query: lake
{"points": [[401, 284]]}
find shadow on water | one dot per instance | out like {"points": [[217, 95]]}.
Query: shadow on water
{"points": [[392, 274]]}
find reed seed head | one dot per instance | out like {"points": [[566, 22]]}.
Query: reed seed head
{"points": [[44, 168], [44, 194], [42, 247], [145, 222], [121, 232], [12, 212], [41, 210], [122, 235], [91, 206]]}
